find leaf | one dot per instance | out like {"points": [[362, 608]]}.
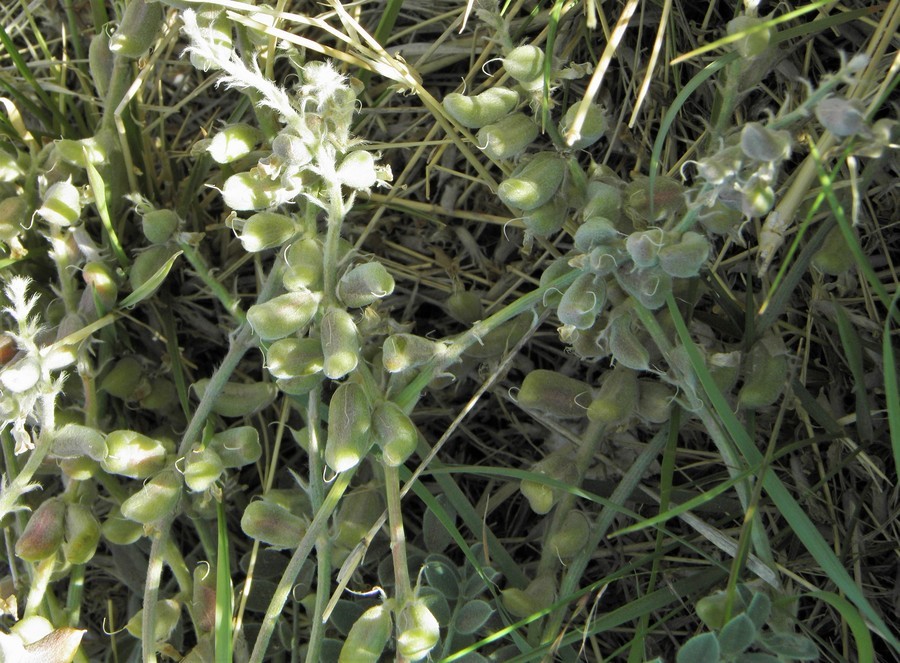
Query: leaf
{"points": [[755, 657], [737, 635], [759, 609], [149, 286], [435, 529], [442, 576], [703, 648], [472, 616], [790, 645]]}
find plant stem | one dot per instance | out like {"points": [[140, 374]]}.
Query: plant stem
{"points": [[323, 542], [39, 583], [398, 537]]}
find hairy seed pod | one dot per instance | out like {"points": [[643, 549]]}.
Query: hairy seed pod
{"points": [[239, 399], [395, 433], [295, 357], [595, 125], [100, 62], [522, 603], [568, 540], [77, 441], [273, 524], [556, 269], [756, 42], [650, 286], [358, 170], [133, 454], [712, 609], [233, 142], [525, 64], [283, 315], [507, 137], [644, 245], [603, 200], [81, 152], [767, 367], [13, 213], [123, 379], [534, 183], [203, 600], [594, 232], [554, 394], [481, 109], [720, 219], [159, 225], [299, 385], [764, 144], [43, 535], [548, 218], [645, 205], [120, 530], [304, 259], [684, 259], [291, 149], [82, 534], [349, 420], [161, 396], [360, 508], [758, 198], [147, 265], [401, 352], [842, 117], [267, 230], [465, 306], [501, 339], [340, 343], [367, 637], [605, 259], [166, 615], [835, 257], [202, 468], [655, 402], [140, 27], [237, 447], [61, 204], [559, 465], [417, 631], [724, 368], [365, 284], [102, 281], [249, 191], [624, 345], [79, 469], [156, 500], [582, 301], [616, 399]]}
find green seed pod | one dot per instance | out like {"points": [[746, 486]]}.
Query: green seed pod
{"points": [[568, 540], [249, 191], [764, 144], [604, 200], [559, 465], [295, 357], [132, 454], [120, 530], [13, 212], [82, 534], [156, 500], [500, 340], [417, 631], [140, 27], [79, 469], [481, 109], [367, 637], [525, 64], [594, 126], [644, 246], [724, 368], [203, 600], [166, 615], [148, 263], [267, 230], [720, 219], [81, 152], [540, 593], [395, 433], [758, 199], [767, 368], [123, 379], [465, 306], [582, 301], [340, 343], [233, 142], [202, 468], [842, 117], [291, 149], [349, 419], [237, 446], [534, 183], [605, 259], [834, 258], [594, 232], [239, 399], [100, 62], [299, 385], [548, 218], [617, 398], [304, 265], [756, 42], [360, 508], [507, 137], [711, 609], [554, 394], [77, 441], [61, 204], [43, 535], [625, 347], [655, 403], [358, 171], [555, 270], [283, 315], [272, 524], [365, 284], [101, 279], [159, 225], [684, 259], [401, 352], [650, 286], [161, 396], [667, 199]]}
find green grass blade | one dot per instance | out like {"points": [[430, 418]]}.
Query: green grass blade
{"points": [[865, 650], [224, 591], [891, 389]]}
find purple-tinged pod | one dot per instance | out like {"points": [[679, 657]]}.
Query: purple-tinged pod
{"points": [[43, 535]]}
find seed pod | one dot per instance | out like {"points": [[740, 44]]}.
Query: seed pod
{"points": [[606, 259], [360, 508], [100, 62], [294, 357], [507, 137], [283, 315], [123, 379], [711, 609], [267, 230], [367, 637], [401, 352], [594, 126], [554, 394], [481, 109], [644, 246], [756, 42], [132, 454], [159, 225], [349, 419], [13, 212], [534, 183], [764, 144], [76, 441], [498, 341], [417, 631], [568, 540], [156, 500], [767, 367], [582, 301], [655, 403], [465, 306], [365, 284], [299, 385], [202, 468], [203, 600], [79, 469], [617, 398], [724, 368], [667, 199], [233, 142], [758, 198], [842, 117], [161, 396], [604, 200], [82, 534], [120, 530], [237, 446], [272, 524], [834, 258], [43, 535], [650, 286], [81, 152], [555, 270], [166, 615], [624, 346], [720, 219], [548, 218], [239, 399], [395, 433], [304, 265], [61, 204], [340, 343], [291, 149], [102, 281], [140, 27], [594, 232], [559, 465], [684, 259], [357, 170], [147, 265], [249, 191], [525, 64], [540, 593]]}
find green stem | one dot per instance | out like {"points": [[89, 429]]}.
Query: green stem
{"points": [[336, 212], [323, 542], [73, 597], [403, 586], [231, 303], [39, 584]]}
